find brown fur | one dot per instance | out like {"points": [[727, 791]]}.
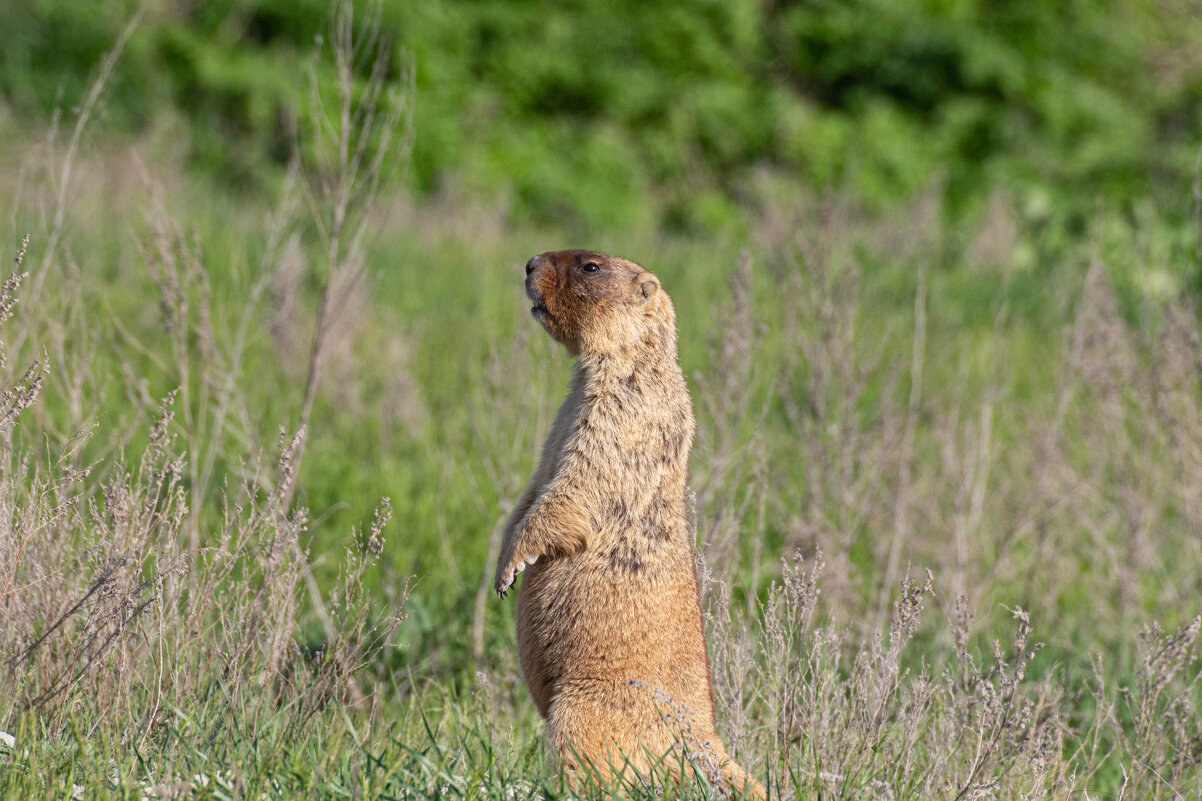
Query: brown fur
{"points": [[609, 607]]}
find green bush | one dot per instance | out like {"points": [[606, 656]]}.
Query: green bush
{"points": [[622, 114]]}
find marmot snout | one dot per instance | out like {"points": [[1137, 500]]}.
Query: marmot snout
{"points": [[608, 613]]}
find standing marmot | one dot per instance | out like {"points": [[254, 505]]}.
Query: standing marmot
{"points": [[609, 612]]}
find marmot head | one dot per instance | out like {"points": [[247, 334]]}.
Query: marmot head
{"points": [[594, 303]]}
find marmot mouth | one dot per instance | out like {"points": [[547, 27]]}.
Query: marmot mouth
{"points": [[539, 311]]}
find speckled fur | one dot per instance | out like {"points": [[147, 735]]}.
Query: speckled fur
{"points": [[609, 604]]}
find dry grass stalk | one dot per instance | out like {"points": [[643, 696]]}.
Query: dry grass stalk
{"points": [[133, 592], [1119, 455], [357, 145], [105, 608], [61, 171]]}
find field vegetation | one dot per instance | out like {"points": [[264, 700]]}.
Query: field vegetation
{"points": [[269, 386]]}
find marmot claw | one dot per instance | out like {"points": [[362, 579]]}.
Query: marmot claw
{"points": [[503, 583], [505, 580]]}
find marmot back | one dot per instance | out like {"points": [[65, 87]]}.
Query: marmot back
{"points": [[609, 619]]}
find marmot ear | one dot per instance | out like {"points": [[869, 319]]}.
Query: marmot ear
{"points": [[648, 286]]}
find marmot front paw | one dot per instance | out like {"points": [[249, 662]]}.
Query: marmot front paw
{"points": [[507, 574]]}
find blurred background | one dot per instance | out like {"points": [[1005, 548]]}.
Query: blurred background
{"points": [[681, 118], [936, 264]]}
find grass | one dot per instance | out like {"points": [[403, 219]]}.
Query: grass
{"points": [[946, 487]]}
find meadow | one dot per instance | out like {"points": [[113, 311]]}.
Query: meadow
{"points": [[256, 447]]}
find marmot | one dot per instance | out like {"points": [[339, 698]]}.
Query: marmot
{"points": [[609, 619]]}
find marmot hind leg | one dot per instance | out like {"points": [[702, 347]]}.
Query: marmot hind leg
{"points": [[599, 735], [611, 735]]}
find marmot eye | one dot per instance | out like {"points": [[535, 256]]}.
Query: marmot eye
{"points": [[590, 267]]}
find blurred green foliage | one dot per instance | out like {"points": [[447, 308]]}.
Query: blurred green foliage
{"points": [[653, 114]]}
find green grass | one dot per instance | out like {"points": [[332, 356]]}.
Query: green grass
{"points": [[486, 383]]}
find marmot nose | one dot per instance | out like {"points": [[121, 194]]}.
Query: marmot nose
{"points": [[530, 264]]}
